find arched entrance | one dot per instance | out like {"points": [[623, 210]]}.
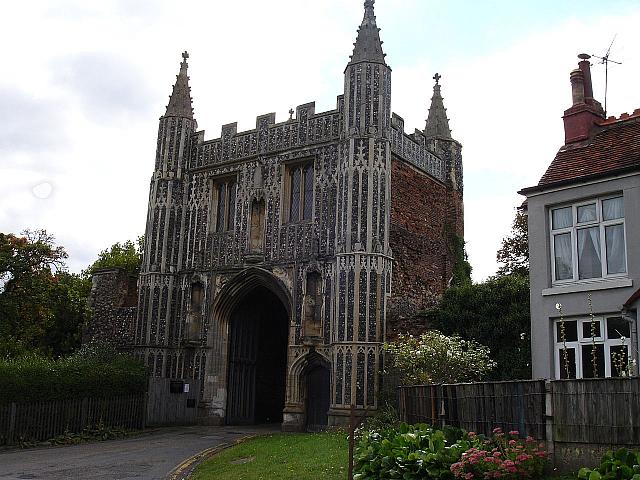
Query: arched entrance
{"points": [[257, 358]]}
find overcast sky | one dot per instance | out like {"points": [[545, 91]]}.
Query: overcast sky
{"points": [[83, 83]]}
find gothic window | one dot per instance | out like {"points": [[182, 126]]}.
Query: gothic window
{"points": [[299, 188], [224, 192]]}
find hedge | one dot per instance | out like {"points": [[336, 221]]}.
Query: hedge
{"points": [[35, 378]]}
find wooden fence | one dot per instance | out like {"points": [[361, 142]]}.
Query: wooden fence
{"points": [[578, 419], [40, 421], [597, 411], [478, 407]]}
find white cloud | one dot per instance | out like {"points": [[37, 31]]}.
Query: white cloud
{"points": [[93, 77]]}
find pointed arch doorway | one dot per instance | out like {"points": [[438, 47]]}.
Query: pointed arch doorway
{"points": [[257, 358], [318, 396]]}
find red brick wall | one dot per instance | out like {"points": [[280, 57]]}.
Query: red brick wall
{"points": [[424, 213]]}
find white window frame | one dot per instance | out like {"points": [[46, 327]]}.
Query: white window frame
{"points": [[573, 230], [585, 341]]}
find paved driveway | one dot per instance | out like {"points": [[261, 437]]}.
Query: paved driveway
{"points": [[150, 456]]}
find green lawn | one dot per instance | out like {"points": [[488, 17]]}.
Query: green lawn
{"points": [[280, 456]]}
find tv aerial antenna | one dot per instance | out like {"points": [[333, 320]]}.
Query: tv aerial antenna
{"points": [[606, 60]]}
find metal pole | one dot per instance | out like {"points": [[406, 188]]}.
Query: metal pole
{"points": [[352, 421]]}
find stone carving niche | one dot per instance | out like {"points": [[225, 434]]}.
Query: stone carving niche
{"points": [[312, 308], [256, 232], [194, 315]]}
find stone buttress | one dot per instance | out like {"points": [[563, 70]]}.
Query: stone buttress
{"points": [[363, 258]]}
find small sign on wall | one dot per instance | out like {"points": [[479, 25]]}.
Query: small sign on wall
{"points": [[185, 388], [176, 386]]}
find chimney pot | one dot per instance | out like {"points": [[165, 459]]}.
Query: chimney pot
{"points": [[577, 86], [585, 66]]}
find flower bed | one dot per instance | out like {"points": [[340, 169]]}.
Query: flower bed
{"points": [[414, 452]]}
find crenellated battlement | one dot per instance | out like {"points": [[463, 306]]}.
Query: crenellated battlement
{"points": [[305, 129], [412, 148]]}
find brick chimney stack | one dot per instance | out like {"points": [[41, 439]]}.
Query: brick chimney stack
{"points": [[585, 111]]}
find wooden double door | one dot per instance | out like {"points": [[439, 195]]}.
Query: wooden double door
{"points": [[257, 356]]}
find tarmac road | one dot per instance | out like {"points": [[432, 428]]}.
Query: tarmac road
{"points": [[149, 456]]}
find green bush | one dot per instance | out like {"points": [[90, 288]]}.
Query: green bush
{"points": [[92, 372], [420, 452], [409, 452], [623, 464]]}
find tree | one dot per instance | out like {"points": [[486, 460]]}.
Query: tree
{"points": [[42, 306], [514, 252], [127, 255], [494, 313], [33, 253], [435, 358]]}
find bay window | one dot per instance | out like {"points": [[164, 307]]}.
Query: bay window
{"points": [[589, 349], [588, 240]]}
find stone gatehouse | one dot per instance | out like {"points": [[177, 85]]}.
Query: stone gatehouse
{"points": [[277, 260]]}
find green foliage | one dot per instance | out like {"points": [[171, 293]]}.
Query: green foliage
{"points": [[624, 464], [494, 313], [98, 432], [514, 252], [417, 452], [32, 253], [461, 265], [127, 255], [384, 418], [435, 358], [42, 307], [409, 452], [88, 373]]}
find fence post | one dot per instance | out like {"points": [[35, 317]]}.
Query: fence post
{"points": [[12, 424], [548, 407], [145, 402], [84, 413], [442, 414]]}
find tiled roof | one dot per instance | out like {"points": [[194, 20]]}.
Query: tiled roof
{"points": [[615, 146]]}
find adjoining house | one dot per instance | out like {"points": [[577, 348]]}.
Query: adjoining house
{"points": [[584, 232]]}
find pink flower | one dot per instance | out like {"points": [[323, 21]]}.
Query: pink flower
{"points": [[472, 434], [514, 433], [512, 442], [497, 430]]}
